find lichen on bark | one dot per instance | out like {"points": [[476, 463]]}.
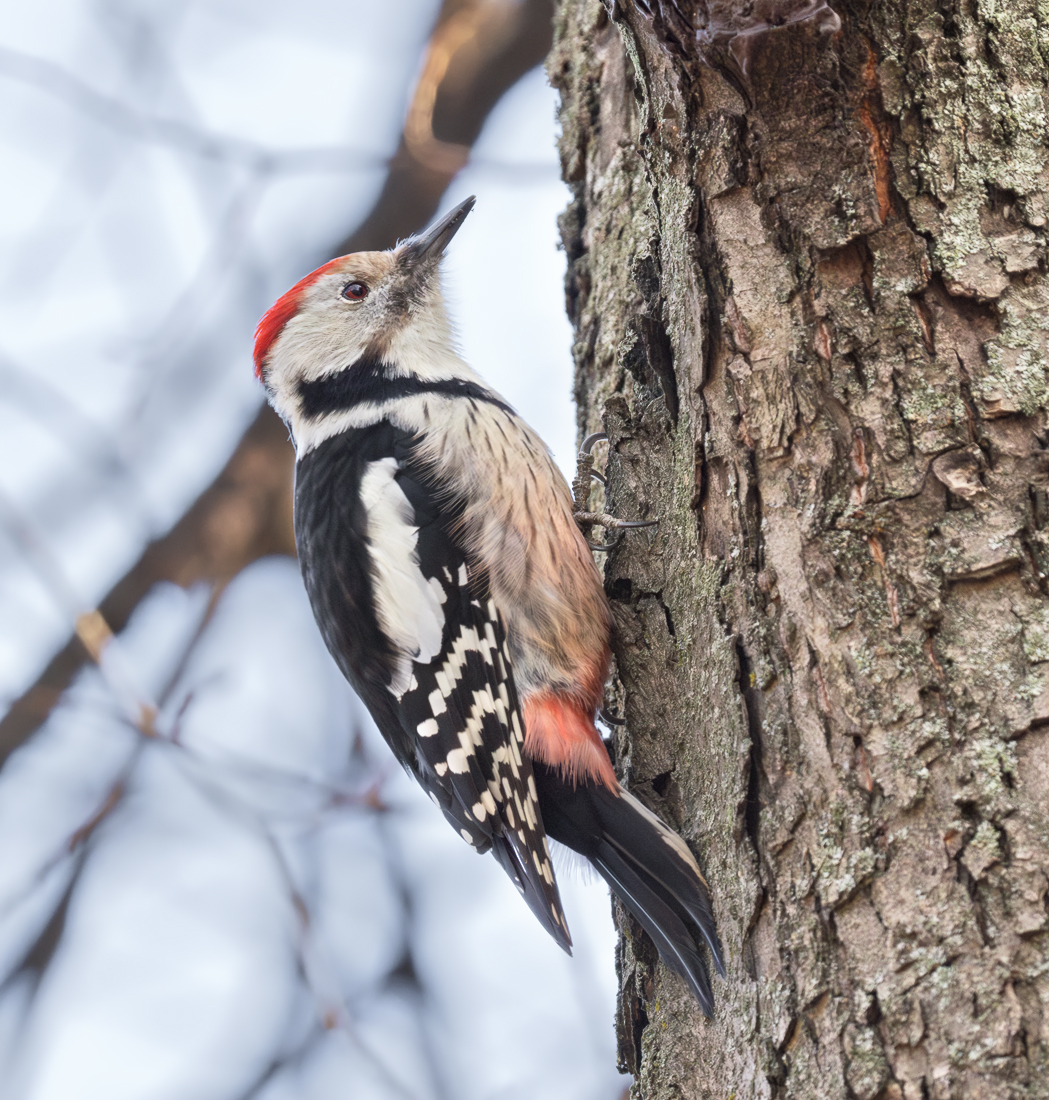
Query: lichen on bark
{"points": [[808, 284]]}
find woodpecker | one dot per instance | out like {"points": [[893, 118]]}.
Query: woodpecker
{"points": [[456, 593]]}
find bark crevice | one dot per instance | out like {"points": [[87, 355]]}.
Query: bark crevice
{"points": [[839, 253]]}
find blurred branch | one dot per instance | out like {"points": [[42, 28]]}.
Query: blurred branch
{"points": [[40, 953], [115, 114], [244, 515], [283, 1062], [459, 30], [318, 975], [51, 408], [482, 41], [477, 51]]}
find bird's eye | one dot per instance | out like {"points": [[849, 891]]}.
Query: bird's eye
{"points": [[355, 291]]}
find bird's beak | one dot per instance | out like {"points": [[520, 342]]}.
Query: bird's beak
{"points": [[432, 243]]}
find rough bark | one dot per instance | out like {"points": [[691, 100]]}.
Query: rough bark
{"points": [[807, 275]]}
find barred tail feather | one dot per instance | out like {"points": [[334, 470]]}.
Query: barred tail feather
{"points": [[647, 865]]}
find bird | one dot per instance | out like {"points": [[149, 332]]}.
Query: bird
{"points": [[456, 593]]}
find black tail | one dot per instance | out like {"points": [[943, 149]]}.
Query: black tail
{"points": [[648, 866]]}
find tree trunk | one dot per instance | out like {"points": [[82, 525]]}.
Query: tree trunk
{"points": [[807, 277]]}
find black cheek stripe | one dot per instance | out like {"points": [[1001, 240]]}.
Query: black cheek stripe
{"points": [[367, 383]]}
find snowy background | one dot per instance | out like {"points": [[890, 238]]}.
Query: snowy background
{"points": [[256, 902]]}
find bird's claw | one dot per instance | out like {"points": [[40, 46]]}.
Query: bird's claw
{"points": [[586, 519]]}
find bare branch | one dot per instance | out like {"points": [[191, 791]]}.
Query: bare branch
{"points": [[244, 515], [470, 64]]}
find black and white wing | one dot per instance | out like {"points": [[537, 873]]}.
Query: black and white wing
{"points": [[411, 624]]}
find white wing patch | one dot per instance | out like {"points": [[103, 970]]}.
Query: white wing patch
{"points": [[409, 607]]}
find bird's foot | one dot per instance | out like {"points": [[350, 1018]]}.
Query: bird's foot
{"points": [[586, 519]]}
